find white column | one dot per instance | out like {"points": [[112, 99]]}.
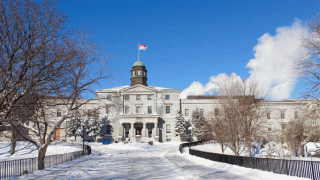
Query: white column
{"points": [[154, 130], [131, 132], [143, 132]]}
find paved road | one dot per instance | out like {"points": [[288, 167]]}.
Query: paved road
{"points": [[146, 162]]}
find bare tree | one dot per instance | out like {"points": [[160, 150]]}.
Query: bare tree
{"points": [[309, 64], [239, 121], [40, 58], [216, 124], [295, 135]]}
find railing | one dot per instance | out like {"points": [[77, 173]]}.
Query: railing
{"points": [[193, 144], [19, 167], [307, 169]]}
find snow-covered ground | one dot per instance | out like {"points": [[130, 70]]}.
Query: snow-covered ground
{"points": [[271, 150], [143, 161], [28, 150]]}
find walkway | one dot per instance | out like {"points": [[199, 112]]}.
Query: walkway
{"points": [[160, 161]]}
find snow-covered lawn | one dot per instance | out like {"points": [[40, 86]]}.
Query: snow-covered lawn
{"points": [[271, 150], [28, 150], [144, 161]]}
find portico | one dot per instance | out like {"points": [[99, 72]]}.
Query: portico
{"points": [[138, 128]]}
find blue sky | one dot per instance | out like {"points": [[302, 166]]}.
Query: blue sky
{"points": [[190, 41]]}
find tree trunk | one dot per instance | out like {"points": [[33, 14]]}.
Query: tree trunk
{"points": [[249, 148], [13, 142], [41, 157], [222, 147], [302, 151]]}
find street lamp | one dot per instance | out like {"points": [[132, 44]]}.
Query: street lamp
{"points": [[83, 139]]}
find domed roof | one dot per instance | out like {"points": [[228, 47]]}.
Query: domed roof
{"points": [[138, 63]]}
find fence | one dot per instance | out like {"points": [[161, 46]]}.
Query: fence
{"points": [[19, 167], [193, 144], [307, 169]]}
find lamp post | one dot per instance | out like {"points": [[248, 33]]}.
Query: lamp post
{"points": [[83, 139]]}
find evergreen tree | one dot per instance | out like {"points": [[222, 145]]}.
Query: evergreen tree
{"points": [[180, 129], [198, 125], [93, 127]]}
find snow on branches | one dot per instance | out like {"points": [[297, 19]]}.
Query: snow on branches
{"points": [[198, 125]]}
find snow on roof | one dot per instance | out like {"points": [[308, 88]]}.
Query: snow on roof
{"points": [[113, 89], [122, 87]]}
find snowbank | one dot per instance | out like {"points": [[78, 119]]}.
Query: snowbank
{"points": [[28, 150]]}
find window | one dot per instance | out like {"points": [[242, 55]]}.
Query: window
{"points": [[108, 110], [149, 97], [167, 97], [144, 73], [58, 113], [139, 73], [283, 126], [168, 128], [149, 109], [201, 112], [109, 97], [138, 97], [186, 112], [138, 109], [168, 140], [127, 128], [89, 113], [167, 109], [216, 111], [126, 110], [296, 115], [133, 73], [282, 115], [314, 122], [268, 115], [126, 97]]}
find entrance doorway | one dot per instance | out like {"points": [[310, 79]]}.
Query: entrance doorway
{"points": [[138, 127], [126, 130], [150, 126], [57, 136]]}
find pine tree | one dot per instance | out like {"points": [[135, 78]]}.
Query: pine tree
{"points": [[93, 127], [180, 129], [198, 125]]}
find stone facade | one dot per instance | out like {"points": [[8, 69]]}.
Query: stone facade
{"points": [[139, 112]]}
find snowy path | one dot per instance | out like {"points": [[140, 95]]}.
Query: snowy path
{"points": [[142, 161]]}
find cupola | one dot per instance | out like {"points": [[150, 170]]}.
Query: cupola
{"points": [[139, 74]]}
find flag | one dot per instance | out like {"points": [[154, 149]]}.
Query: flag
{"points": [[143, 47]]}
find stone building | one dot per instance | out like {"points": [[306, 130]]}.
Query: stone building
{"points": [[147, 113]]}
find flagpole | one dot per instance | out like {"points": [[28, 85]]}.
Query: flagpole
{"points": [[138, 52]]}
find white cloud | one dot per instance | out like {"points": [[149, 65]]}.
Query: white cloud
{"points": [[275, 57], [272, 65]]}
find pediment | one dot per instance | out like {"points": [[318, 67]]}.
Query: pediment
{"points": [[138, 88]]}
